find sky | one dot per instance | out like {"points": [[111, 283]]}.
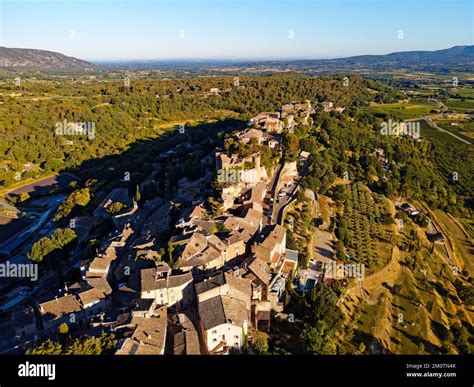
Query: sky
{"points": [[234, 29]]}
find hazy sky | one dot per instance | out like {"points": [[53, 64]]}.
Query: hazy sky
{"points": [[155, 29]]}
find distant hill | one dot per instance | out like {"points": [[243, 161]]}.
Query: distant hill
{"points": [[30, 59], [458, 58]]}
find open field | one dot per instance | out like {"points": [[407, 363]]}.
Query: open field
{"points": [[458, 105], [405, 110], [464, 129], [464, 92]]}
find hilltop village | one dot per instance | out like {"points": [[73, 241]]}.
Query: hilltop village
{"points": [[224, 271], [236, 237]]}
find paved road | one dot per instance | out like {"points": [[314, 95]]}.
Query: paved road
{"points": [[323, 246], [287, 199], [430, 122], [271, 187]]}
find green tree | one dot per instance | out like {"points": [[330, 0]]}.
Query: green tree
{"points": [[48, 347], [24, 196], [60, 238], [316, 341], [138, 196], [114, 208], [261, 345], [80, 197], [290, 146], [63, 329]]}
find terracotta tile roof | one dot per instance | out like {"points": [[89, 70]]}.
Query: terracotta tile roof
{"points": [[216, 242], [100, 283], [210, 283], [192, 343], [196, 244], [276, 236], [267, 240], [60, 306], [205, 225], [235, 223], [149, 335], [150, 281], [221, 310], [252, 216], [179, 279], [100, 264], [208, 255], [259, 268], [186, 342], [239, 284], [197, 212], [90, 295], [251, 133]]}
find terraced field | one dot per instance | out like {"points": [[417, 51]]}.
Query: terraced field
{"points": [[411, 306], [369, 238]]}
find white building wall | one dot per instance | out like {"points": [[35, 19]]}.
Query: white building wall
{"points": [[168, 296], [229, 333]]}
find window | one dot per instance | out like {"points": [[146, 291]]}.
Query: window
{"points": [[236, 337], [214, 332]]}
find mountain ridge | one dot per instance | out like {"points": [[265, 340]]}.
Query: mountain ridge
{"points": [[450, 59], [36, 59], [453, 57]]}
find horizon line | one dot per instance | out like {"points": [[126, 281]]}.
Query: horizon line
{"points": [[244, 58]]}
